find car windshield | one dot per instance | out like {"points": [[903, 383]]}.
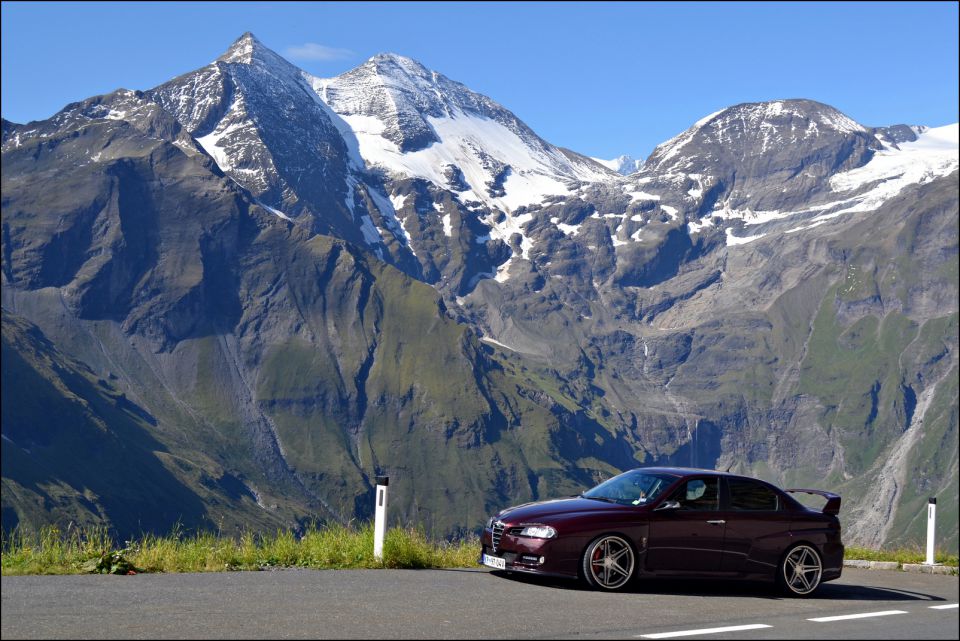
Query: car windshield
{"points": [[635, 487]]}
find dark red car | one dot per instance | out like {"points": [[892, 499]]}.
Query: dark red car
{"points": [[672, 522]]}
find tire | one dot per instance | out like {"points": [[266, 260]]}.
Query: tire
{"points": [[800, 571], [608, 563]]}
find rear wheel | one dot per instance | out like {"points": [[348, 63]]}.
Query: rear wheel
{"points": [[800, 571], [608, 562]]}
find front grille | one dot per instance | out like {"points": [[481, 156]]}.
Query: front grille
{"points": [[497, 533]]}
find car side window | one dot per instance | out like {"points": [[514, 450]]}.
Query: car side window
{"points": [[698, 494], [751, 496]]}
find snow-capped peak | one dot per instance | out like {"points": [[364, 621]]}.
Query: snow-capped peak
{"points": [[242, 49], [756, 128], [412, 68], [415, 122], [624, 165], [247, 50]]}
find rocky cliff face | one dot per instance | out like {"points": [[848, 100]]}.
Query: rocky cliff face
{"points": [[296, 283], [265, 372]]}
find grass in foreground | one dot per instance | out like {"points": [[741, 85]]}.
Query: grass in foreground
{"points": [[902, 555], [51, 551], [331, 547]]}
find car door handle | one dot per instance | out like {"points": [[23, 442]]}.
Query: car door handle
{"points": [[717, 522]]}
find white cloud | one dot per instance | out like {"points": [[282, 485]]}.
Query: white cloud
{"points": [[314, 51]]}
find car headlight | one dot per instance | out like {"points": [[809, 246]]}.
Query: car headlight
{"points": [[538, 531]]}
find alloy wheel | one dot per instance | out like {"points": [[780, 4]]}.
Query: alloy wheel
{"points": [[801, 570], [608, 563]]}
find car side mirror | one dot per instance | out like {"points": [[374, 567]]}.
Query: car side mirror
{"points": [[668, 505]]}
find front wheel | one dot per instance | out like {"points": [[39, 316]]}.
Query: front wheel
{"points": [[800, 571], [608, 562]]}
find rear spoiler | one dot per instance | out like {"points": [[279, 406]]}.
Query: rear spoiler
{"points": [[833, 500]]}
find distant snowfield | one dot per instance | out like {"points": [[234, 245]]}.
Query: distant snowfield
{"points": [[614, 164], [484, 149], [479, 147], [623, 165], [466, 141], [935, 153]]}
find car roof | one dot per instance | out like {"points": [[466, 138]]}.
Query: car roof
{"points": [[688, 471]]}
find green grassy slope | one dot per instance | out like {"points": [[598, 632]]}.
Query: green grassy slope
{"points": [[76, 449]]}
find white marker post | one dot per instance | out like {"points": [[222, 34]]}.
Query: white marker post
{"points": [[931, 528], [380, 516]]}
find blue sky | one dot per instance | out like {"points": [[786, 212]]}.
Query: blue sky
{"points": [[600, 78]]}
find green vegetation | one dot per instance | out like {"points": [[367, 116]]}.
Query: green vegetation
{"points": [[81, 551], [901, 555], [91, 550], [854, 372]]}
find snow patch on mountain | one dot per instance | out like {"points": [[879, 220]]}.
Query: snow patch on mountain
{"points": [[465, 141], [568, 230], [275, 212], [636, 196], [399, 201], [505, 230], [510, 225], [487, 339], [385, 206], [935, 153], [210, 144], [740, 240]]}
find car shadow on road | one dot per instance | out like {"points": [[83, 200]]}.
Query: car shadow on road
{"points": [[844, 592], [718, 587]]}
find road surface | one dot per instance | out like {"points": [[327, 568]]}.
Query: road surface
{"points": [[412, 604]]}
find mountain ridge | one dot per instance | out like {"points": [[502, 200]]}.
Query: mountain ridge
{"points": [[771, 291]]}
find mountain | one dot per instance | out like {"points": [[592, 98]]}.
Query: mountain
{"points": [[454, 162], [250, 112], [293, 284], [258, 367], [415, 122], [623, 165]]}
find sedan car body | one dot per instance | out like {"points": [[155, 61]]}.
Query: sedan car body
{"points": [[672, 522]]}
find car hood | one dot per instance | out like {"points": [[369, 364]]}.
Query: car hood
{"points": [[545, 511]]}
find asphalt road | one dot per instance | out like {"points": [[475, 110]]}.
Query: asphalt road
{"points": [[407, 604]]}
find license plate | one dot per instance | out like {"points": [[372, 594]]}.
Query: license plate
{"points": [[494, 562]]}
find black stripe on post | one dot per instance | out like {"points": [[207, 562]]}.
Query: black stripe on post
{"points": [[383, 480], [933, 500]]}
